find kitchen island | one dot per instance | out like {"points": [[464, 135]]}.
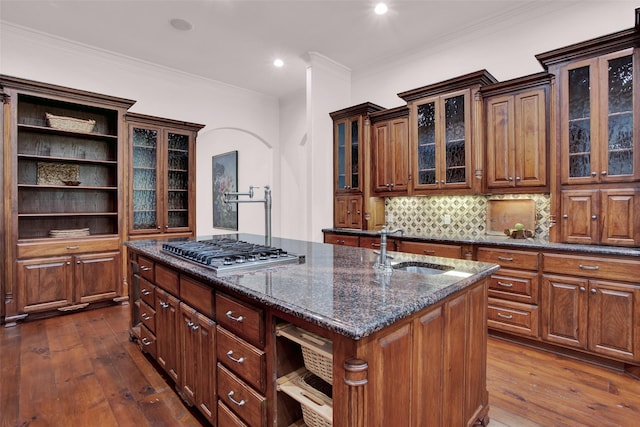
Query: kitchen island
{"points": [[394, 349]]}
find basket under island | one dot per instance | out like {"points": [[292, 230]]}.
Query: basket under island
{"points": [[327, 341]]}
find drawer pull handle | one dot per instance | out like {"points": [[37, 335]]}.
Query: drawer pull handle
{"points": [[70, 248], [164, 305], [504, 258], [195, 327], [428, 251], [230, 396], [146, 341], [589, 267], [506, 285], [340, 242], [505, 316], [189, 323], [145, 292], [145, 316], [375, 245], [238, 319], [230, 356]]}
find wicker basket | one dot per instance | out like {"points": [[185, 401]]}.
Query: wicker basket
{"points": [[322, 392], [70, 123], [313, 419], [320, 365], [317, 352]]}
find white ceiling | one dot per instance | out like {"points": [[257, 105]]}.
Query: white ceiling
{"points": [[236, 41]]}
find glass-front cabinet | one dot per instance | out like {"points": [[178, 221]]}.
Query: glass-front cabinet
{"points": [[348, 154], [597, 119], [162, 175]]}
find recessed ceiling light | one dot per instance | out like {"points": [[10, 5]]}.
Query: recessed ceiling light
{"points": [[381, 9], [279, 63], [181, 24]]}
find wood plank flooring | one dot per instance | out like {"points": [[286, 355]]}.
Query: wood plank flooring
{"points": [[81, 370]]}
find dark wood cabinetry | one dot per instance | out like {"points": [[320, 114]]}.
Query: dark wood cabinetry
{"points": [[445, 137], [517, 134], [64, 205], [390, 151], [161, 176], [354, 203]]}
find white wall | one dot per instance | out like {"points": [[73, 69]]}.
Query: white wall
{"points": [[235, 118]]}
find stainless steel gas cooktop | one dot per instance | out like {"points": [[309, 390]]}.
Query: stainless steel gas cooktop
{"points": [[225, 254]]}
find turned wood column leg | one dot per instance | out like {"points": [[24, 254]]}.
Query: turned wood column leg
{"points": [[356, 372]]}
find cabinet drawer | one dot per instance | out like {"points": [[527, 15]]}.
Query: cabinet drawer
{"points": [[147, 341], [197, 295], [341, 239], [167, 279], [374, 243], [431, 249], [147, 316], [514, 285], [242, 359], [241, 319], [228, 418], [146, 268], [67, 247], [249, 405], [509, 258], [596, 267], [147, 292], [513, 317]]}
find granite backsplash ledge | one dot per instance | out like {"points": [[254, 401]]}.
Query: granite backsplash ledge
{"points": [[424, 215]]}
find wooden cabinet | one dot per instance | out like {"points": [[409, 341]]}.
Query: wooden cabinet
{"points": [[390, 151], [167, 316], [161, 176], [354, 204], [593, 216], [431, 249], [341, 239], [63, 153], [583, 310], [517, 135], [444, 136], [514, 293]]}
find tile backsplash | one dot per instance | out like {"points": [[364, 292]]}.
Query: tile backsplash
{"points": [[424, 215]]}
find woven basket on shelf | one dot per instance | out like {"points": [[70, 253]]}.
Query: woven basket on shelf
{"points": [[320, 365], [322, 391], [70, 123]]}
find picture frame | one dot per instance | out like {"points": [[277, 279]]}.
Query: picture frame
{"points": [[225, 179]]}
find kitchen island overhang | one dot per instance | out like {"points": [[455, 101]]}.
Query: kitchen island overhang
{"points": [[425, 332]]}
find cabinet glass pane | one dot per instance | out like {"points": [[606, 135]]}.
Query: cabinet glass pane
{"points": [[342, 155], [354, 154], [455, 139], [144, 178], [579, 103], [427, 143], [620, 116]]}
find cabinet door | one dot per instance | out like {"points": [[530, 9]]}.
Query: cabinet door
{"points": [[348, 154], [530, 139], [44, 283], [97, 276], [348, 212], [500, 142], [167, 317], [426, 134], [614, 319], [456, 166], [145, 175], [177, 200], [188, 347], [580, 223], [391, 155], [620, 218], [564, 310], [206, 385]]}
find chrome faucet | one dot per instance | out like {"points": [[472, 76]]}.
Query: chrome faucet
{"points": [[267, 207], [383, 261]]}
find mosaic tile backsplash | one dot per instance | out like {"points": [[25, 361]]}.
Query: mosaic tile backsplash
{"points": [[424, 216]]}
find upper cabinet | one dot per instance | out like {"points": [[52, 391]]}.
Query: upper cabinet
{"points": [[445, 135], [161, 175], [354, 204], [390, 151], [516, 118]]}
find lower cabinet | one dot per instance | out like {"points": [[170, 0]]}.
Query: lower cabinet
{"points": [[341, 239], [67, 282], [431, 249], [348, 211]]}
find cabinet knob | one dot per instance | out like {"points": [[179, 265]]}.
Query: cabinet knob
{"points": [[594, 216], [603, 173], [517, 178], [594, 291], [77, 262], [510, 179], [593, 173], [358, 212], [392, 185], [158, 227], [565, 216], [582, 289]]}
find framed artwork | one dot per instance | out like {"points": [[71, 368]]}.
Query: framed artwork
{"points": [[225, 179]]}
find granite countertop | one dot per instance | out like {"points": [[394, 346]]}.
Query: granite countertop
{"points": [[337, 287], [501, 240]]}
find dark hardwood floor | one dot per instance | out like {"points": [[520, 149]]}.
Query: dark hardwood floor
{"points": [[81, 370]]}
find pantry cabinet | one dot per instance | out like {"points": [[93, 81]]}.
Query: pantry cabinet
{"points": [[517, 134], [64, 198], [390, 151], [161, 176], [445, 135]]}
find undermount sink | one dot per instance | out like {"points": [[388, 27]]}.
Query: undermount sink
{"points": [[422, 267]]}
